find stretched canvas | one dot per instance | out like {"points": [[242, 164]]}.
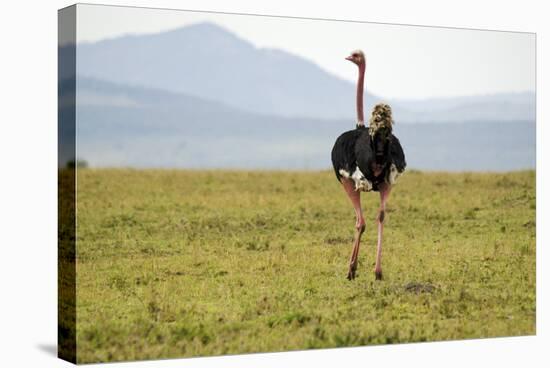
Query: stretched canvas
{"points": [[236, 183]]}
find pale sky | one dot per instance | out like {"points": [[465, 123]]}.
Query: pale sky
{"points": [[402, 61]]}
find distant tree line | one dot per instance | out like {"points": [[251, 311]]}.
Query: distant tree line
{"points": [[81, 164]]}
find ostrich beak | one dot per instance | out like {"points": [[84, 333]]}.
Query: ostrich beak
{"points": [[349, 58]]}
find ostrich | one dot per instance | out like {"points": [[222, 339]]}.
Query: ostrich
{"points": [[368, 159]]}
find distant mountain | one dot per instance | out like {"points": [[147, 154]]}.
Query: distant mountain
{"points": [[205, 60], [129, 126]]}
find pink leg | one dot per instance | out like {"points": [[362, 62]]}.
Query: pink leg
{"points": [[385, 190], [355, 198]]}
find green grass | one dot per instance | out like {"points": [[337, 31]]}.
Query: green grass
{"points": [[194, 263]]}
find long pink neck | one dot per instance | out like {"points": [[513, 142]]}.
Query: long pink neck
{"points": [[360, 86]]}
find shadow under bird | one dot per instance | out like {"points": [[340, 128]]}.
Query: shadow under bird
{"points": [[368, 159]]}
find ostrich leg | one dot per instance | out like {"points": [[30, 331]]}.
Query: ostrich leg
{"points": [[385, 190], [355, 198]]}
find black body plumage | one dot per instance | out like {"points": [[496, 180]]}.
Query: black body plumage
{"points": [[358, 149]]}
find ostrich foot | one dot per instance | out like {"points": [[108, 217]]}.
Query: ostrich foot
{"points": [[351, 272], [378, 275]]}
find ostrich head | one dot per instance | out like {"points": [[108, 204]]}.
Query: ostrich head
{"points": [[380, 129], [357, 57]]}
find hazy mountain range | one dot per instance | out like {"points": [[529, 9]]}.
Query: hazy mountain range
{"points": [[201, 97], [207, 61]]}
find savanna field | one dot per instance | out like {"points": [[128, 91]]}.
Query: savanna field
{"points": [[194, 263]]}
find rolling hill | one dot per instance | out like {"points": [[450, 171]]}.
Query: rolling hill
{"points": [[127, 126]]}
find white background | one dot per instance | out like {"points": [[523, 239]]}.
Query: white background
{"points": [[28, 117]]}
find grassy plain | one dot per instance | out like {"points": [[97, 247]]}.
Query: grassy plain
{"points": [[195, 263]]}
